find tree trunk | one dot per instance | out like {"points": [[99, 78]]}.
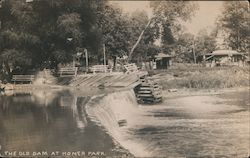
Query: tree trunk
{"points": [[114, 64], [7, 73]]}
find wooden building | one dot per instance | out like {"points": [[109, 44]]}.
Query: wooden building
{"points": [[163, 61], [224, 58]]}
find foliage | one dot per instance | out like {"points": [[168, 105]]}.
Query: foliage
{"points": [[114, 30], [168, 14], [204, 43], [188, 76], [51, 31], [44, 30], [183, 48], [235, 22]]}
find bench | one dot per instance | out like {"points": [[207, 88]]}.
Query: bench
{"points": [[67, 71], [130, 68], [101, 68], [23, 78]]}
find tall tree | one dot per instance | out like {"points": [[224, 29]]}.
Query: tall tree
{"points": [[235, 22], [183, 48], [114, 29], [120, 31], [204, 43], [17, 41], [145, 47], [168, 14], [45, 30]]}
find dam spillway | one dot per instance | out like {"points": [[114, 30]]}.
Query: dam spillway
{"points": [[190, 126]]}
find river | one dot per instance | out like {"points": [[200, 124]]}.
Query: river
{"points": [[42, 122], [209, 125]]}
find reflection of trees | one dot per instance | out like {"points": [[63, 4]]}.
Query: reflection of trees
{"points": [[38, 123], [81, 112], [76, 105]]}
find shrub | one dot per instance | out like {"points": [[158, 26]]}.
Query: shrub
{"points": [[214, 78]]}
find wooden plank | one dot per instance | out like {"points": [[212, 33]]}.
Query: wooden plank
{"points": [[145, 95], [79, 80], [112, 80], [144, 91], [98, 81], [134, 84]]}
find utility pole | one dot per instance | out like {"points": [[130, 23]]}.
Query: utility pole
{"points": [[104, 57], [194, 52], [86, 58]]}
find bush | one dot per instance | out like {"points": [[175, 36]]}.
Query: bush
{"points": [[214, 78]]}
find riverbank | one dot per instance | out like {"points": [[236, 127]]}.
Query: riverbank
{"points": [[167, 94], [202, 77]]}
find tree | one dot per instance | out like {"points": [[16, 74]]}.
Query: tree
{"points": [[168, 14], [145, 47], [204, 43], [17, 41], [46, 30], [114, 30], [235, 22], [120, 31], [183, 48]]}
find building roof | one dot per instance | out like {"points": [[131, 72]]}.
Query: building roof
{"points": [[162, 55], [224, 52]]}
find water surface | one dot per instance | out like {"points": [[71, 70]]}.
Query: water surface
{"points": [[50, 121], [190, 126], [196, 126]]}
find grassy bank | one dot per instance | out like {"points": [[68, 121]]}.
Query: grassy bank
{"points": [[204, 78]]}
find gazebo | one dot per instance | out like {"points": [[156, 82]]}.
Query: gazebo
{"points": [[163, 61], [224, 57]]}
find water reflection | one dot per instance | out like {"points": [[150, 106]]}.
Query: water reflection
{"points": [[49, 121]]}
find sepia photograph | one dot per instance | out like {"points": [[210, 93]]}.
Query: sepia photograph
{"points": [[124, 79]]}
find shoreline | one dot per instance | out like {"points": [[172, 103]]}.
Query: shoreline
{"points": [[168, 93], [194, 92]]}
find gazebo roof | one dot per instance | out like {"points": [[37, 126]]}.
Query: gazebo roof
{"points": [[162, 55], [224, 52]]}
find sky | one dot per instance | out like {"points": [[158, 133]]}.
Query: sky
{"points": [[204, 18]]}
